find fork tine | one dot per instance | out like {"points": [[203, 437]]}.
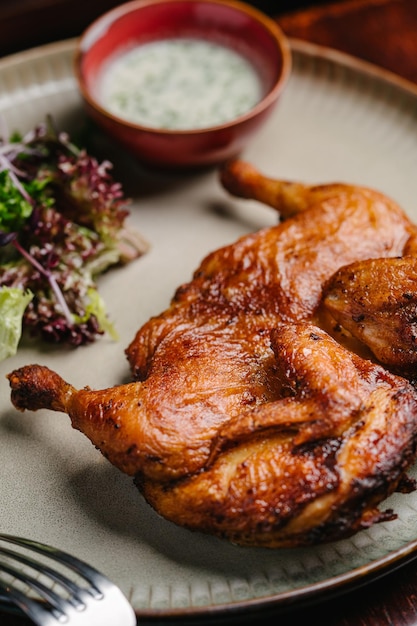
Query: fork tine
{"points": [[27, 604], [64, 600], [33, 609], [53, 574], [85, 571]]}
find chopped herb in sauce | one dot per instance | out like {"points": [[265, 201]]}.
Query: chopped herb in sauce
{"points": [[180, 84]]}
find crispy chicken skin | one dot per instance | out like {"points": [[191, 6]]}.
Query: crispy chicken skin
{"points": [[246, 418], [377, 303]]}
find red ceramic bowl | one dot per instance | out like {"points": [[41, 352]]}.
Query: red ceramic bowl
{"points": [[228, 22]]}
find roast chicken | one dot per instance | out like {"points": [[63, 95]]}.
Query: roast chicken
{"points": [[272, 403]]}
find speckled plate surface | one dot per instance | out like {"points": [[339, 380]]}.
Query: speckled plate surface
{"points": [[339, 119]]}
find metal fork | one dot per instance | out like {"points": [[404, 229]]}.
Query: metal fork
{"points": [[53, 587]]}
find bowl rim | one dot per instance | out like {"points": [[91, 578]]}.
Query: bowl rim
{"points": [[119, 11]]}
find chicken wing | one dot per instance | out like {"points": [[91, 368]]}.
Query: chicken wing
{"points": [[245, 418], [376, 301]]}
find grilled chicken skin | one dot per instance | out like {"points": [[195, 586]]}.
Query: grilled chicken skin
{"points": [[245, 418], [310, 465], [376, 301]]}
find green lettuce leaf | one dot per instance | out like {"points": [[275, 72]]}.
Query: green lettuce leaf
{"points": [[13, 302], [97, 308]]}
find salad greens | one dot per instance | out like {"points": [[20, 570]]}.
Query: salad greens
{"points": [[13, 303], [62, 223]]}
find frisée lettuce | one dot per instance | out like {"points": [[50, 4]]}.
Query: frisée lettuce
{"points": [[62, 223]]}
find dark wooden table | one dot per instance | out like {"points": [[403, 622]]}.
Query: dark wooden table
{"points": [[383, 32]]}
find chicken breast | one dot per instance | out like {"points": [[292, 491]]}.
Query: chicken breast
{"points": [[246, 419]]}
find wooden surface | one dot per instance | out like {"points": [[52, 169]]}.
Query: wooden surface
{"points": [[383, 32]]}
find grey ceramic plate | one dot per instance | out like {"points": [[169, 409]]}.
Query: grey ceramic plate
{"points": [[339, 119]]}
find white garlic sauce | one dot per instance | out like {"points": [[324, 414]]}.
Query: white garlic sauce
{"points": [[180, 84]]}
